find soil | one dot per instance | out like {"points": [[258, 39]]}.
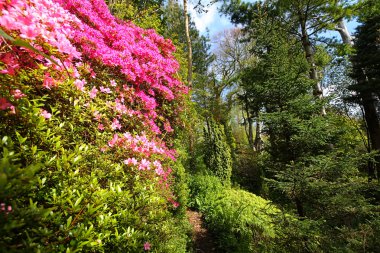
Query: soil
{"points": [[203, 241]]}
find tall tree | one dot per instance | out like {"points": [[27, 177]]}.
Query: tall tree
{"points": [[303, 18], [175, 23], [189, 48], [366, 70], [217, 153]]}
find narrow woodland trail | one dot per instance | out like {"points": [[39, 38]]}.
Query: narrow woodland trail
{"points": [[202, 239]]}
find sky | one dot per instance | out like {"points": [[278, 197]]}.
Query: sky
{"points": [[216, 22], [211, 20]]}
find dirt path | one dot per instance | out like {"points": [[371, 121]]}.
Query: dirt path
{"points": [[201, 237]]}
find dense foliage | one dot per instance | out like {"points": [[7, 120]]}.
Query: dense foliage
{"points": [[104, 147], [240, 221], [87, 147], [217, 154]]}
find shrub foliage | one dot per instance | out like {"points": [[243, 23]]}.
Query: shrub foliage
{"points": [[86, 144]]}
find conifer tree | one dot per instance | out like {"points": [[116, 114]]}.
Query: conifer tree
{"points": [[217, 153], [366, 70]]}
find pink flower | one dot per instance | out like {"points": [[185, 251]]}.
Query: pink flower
{"points": [[29, 32], [105, 90], [75, 73], [45, 114], [17, 94], [115, 124], [93, 92], [113, 83], [101, 127], [80, 84], [9, 71], [159, 171], [12, 109], [6, 210], [8, 21], [131, 161], [97, 115], [144, 165], [114, 140], [168, 127], [49, 82], [147, 246]]}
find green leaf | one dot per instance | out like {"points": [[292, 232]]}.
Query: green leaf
{"points": [[57, 144], [5, 138], [23, 43], [78, 201], [3, 180], [5, 35], [21, 140], [69, 221]]}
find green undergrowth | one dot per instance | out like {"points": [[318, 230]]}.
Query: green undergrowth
{"points": [[241, 221], [62, 193]]}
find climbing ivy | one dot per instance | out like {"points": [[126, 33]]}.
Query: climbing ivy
{"points": [[217, 153]]}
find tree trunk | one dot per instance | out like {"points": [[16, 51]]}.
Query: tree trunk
{"points": [[373, 128], [216, 107], [189, 49], [299, 206], [250, 132], [257, 143], [309, 52], [369, 110], [248, 122], [344, 33]]}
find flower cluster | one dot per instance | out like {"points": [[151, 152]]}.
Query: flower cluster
{"points": [[142, 56], [40, 23], [141, 144], [84, 39]]}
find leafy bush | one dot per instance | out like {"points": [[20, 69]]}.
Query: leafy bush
{"points": [[217, 152], [240, 221], [86, 144]]}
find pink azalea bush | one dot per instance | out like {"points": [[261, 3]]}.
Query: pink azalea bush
{"points": [[90, 106], [85, 30]]}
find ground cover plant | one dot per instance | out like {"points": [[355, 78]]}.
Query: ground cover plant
{"points": [[240, 221]]}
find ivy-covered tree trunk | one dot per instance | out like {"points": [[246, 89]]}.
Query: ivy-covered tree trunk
{"points": [[217, 153]]}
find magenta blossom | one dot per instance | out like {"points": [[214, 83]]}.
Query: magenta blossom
{"points": [[17, 94], [147, 246]]}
